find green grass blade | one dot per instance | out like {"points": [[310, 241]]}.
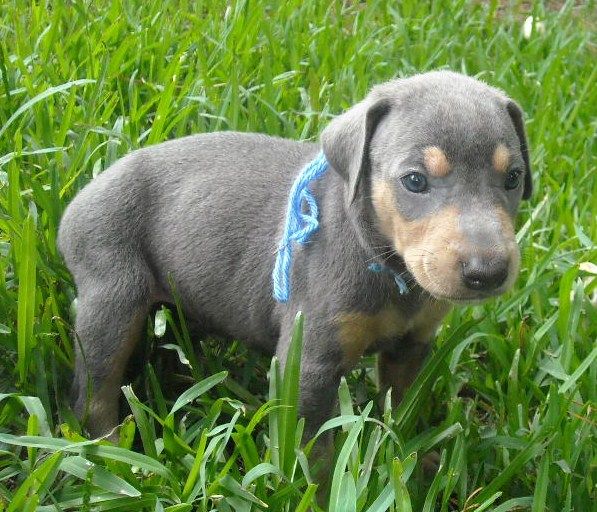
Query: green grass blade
{"points": [[144, 422], [340, 467], [81, 467], [401, 495], [40, 97], [91, 448], [197, 390], [582, 368], [26, 299], [289, 399]]}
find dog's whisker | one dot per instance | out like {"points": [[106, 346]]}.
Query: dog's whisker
{"points": [[381, 255]]}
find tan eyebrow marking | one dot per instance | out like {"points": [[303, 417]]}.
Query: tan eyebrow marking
{"points": [[436, 161], [501, 158]]}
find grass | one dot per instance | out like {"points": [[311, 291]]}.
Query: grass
{"points": [[508, 396]]}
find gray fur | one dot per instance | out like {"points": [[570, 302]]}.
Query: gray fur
{"points": [[207, 211]]}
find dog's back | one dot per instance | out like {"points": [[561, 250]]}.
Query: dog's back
{"points": [[164, 209]]}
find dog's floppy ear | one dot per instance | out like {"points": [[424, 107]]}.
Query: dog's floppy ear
{"points": [[516, 115], [346, 140]]}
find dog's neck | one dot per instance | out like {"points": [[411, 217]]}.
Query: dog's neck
{"points": [[372, 245], [376, 245]]}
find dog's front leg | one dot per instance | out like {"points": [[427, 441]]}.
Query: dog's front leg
{"points": [[399, 365], [321, 369], [400, 362]]}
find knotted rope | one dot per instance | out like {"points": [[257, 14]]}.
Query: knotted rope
{"points": [[302, 220]]}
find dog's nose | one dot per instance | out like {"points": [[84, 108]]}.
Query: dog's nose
{"points": [[484, 274]]}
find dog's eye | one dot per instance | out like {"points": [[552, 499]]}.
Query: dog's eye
{"points": [[415, 182], [512, 179]]}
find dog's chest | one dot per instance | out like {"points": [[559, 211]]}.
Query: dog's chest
{"points": [[359, 332]]}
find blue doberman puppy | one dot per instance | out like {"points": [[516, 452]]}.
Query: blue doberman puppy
{"points": [[426, 176]]}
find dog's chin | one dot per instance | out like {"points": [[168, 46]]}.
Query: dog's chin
{"points": [[463, 301], [463, 298], [458, 296]]}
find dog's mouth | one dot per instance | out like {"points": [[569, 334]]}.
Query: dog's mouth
{"points": [[464, 301]]}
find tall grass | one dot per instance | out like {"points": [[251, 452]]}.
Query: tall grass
{"points": [[507, 399]]}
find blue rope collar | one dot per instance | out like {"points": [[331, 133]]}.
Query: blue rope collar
{"points": [[302, 220], [301, 223], [398, 279]]}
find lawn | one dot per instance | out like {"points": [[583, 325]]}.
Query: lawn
{"points": [[508, 396]]}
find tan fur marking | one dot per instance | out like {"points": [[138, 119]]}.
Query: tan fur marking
{"points": [[357, 331], [436, 162], [506, 222], [384, 205], [501, 158], [428, 319]]}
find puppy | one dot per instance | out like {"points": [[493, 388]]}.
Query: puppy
{"points": [[425, 178]]}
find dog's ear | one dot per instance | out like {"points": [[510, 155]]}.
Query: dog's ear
{"points": [[515, 113], [346, 140]]}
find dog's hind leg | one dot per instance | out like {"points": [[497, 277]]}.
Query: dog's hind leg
{"points": [[111, 313]]}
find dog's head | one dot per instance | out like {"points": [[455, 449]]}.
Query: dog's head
{"points": [[442, 159]]}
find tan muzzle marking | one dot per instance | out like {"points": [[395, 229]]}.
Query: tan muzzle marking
{"points": [[433, 246]]}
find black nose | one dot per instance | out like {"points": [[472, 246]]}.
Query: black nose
{"points": [[484, 274]]}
